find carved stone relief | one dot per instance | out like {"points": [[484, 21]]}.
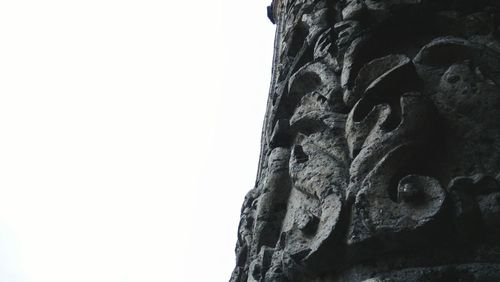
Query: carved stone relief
{"points": [[381, 145]]}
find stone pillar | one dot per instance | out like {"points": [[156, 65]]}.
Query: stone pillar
{"points": [[380, 151]]}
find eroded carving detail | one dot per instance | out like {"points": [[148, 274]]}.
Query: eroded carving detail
{"points": [[381, 145]]}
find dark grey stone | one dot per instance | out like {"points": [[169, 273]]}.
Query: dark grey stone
{"points": [[380, 156]]}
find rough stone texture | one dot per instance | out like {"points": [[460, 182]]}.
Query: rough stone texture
{"points": [[380, 154]]}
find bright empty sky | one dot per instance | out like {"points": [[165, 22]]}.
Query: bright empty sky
{"points": [[129, 135]]}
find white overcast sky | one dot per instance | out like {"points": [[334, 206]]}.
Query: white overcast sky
{"points": [[129, 135]]}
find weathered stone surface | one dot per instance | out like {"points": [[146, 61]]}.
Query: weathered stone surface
{"points": [[380, 154]]}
